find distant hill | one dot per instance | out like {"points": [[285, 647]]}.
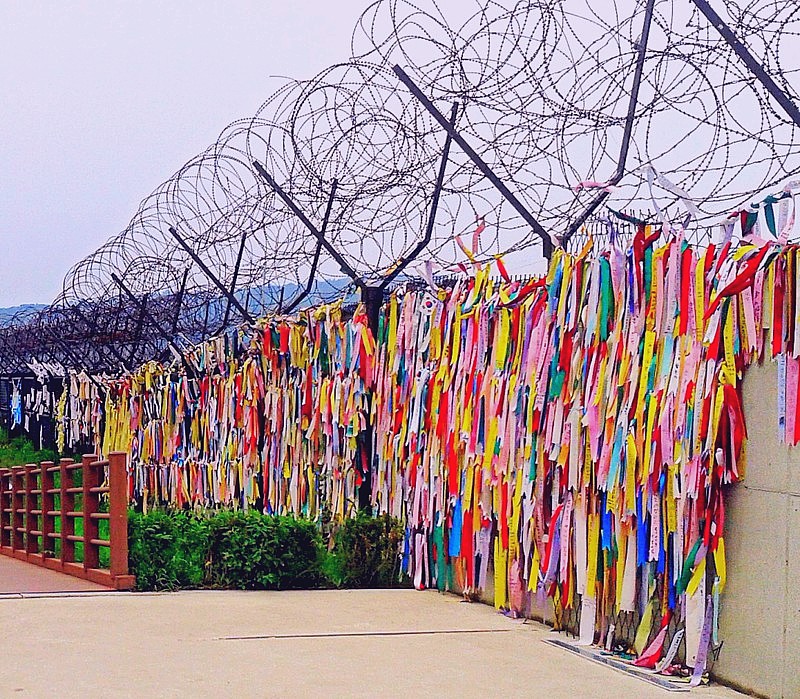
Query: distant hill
{"points": [[26, 309], [258, 297]]}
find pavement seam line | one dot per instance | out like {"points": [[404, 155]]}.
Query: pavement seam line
{"points": [[356, 634]]}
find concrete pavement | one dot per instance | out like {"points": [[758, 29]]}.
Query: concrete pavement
{"points": [[18, 577], [386, 643]]}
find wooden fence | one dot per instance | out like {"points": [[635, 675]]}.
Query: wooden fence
{"points": [[71, 517]]}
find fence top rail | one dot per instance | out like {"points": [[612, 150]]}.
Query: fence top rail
{"points": [[70, 467], [51, 467], [20, 470]]}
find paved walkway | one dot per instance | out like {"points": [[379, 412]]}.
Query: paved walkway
{"points": [[18, 577], [376, 643]]}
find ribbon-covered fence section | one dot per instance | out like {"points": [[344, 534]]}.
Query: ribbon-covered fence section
{"points": [[570, 436], [272, 417], [573, 436]]}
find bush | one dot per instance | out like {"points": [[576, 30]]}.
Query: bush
{"points": [[170, 550], [365, 553], [251, 551], [167, 550]]}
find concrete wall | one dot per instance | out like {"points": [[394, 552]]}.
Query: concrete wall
{"points": [[760, 613]]}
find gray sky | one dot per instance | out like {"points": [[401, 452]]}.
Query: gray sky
{"points": [[103, 101]]}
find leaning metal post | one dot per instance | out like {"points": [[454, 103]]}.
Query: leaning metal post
{"points": [[233, 281], [480, 163], [214, 280], [749, 60], [372, 297], [137, 335], [150, 317], [310, 283], [297, 211], [179, 302], [626, 136], [93, 328], [419, 247]]}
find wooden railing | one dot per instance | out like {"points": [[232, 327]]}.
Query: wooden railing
{"points": [[39, 517]]}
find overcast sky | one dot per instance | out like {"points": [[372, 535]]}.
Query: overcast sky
{"points": [[103, 101]]}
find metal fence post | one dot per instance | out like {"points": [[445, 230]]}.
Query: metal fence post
{"points": [[372, 296]]}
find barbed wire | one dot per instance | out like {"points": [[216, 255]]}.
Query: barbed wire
{"points": [[544, 90]]}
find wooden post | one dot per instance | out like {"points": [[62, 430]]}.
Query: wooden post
{"points": [[47, 501], [67, 505], [32, 531], [29, 501], [118, 509], [18, 509], [6, 503], [91, 502]]}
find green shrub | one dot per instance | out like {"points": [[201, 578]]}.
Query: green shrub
{"points": [[167, 550], [173, 549], [252, 551], [365, 553]]}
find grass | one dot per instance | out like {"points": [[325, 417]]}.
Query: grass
{"points": [[18, 451]]}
